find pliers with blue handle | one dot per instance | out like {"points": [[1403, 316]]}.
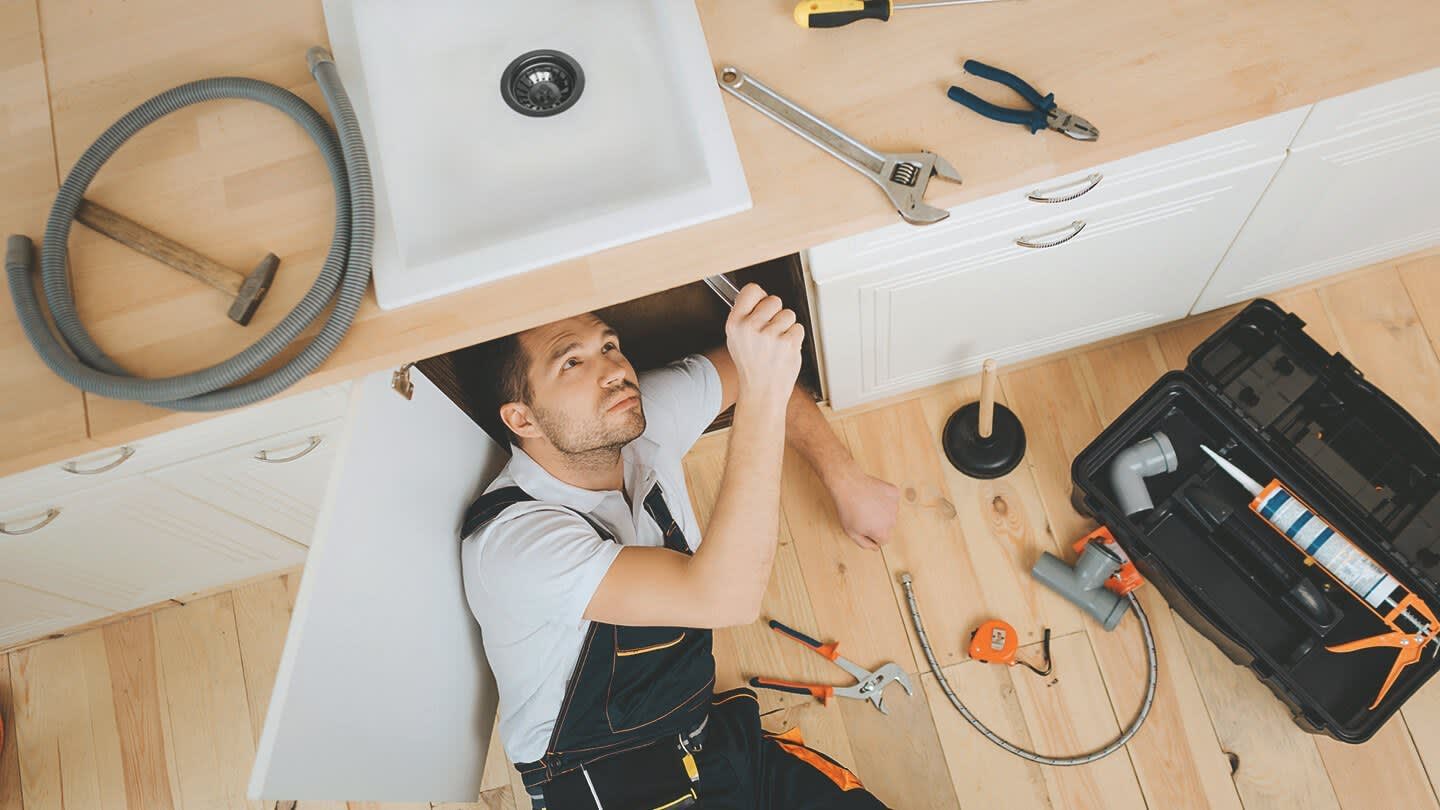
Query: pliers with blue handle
{"points": [[1045, 115]]}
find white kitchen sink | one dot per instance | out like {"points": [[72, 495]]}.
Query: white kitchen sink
{"points": [[471, 190]]}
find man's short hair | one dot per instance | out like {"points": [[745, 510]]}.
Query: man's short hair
{"points": [[494, 373]]}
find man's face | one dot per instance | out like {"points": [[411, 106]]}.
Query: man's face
{"points": [[585, 393]]}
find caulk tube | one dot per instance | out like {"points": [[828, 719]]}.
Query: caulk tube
{"points": [[1341, 558]]}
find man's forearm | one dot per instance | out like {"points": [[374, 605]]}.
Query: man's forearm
{"points": [[810, 434], [739, 547]]}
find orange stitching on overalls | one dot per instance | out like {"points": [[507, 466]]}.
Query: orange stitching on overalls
{"points": [[652, 648]]}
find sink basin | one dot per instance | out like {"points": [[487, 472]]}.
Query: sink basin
{"points": [[631, 140]]}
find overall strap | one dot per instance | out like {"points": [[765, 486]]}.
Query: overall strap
{"points": [[489, 506]]}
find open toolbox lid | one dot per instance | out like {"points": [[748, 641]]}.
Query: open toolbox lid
{"points": [[1349, 447], [1266, 394]]}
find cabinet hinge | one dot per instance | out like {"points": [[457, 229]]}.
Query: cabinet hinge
{"points": [[400, 381]]}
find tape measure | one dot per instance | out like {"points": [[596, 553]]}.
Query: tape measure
{"points": [[995, 642]]}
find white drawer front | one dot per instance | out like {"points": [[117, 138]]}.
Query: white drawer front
{"points": [[133, 542], [1170, 166], [1133, 264], [277, 482], [153, 452]]}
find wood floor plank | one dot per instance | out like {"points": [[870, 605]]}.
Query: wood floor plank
{"points": [[1070, 713], [898, 755], [984, 775], [139, 707], [10, 795], [497, 799], [1379, 330], [262, 618], [69, 745], [1176, 754], [1422, 718], [1118, 374], [1308, 305], [1053, 400], [496, 772], [1176, 342], [1004, 526], [849, 587], [1275, 763], [1384, 772], [894, 444], [1421, 277], [209, 713]]}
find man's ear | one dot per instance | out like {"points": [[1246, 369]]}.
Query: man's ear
{"points": [[520, 420]]}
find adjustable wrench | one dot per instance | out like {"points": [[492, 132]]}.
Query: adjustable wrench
{"points": [[902, 176]]}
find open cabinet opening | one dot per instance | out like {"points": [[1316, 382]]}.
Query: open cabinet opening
{"points": [[654, 330]]}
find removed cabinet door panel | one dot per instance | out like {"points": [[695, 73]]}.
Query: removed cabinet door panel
{"points": [[383, 691]]}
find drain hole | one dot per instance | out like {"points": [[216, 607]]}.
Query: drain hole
{"points": [[541, 83]]}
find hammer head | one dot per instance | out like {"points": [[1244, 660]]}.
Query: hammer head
{"points": [[252, 292]]}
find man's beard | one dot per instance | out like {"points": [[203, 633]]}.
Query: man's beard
{"points": [[594, 440]]}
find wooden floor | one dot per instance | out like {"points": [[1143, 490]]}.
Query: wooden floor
{"points": [[163, 710]]}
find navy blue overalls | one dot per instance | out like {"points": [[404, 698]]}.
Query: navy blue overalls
{"points": [[640, 703]]}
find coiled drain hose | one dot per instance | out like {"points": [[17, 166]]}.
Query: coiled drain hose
{"points": [[342, 279], [1079, 759]]}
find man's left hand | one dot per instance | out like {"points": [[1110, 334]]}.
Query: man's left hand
{"points": [[867, 507]]}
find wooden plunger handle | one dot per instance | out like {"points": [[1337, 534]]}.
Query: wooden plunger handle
{"points": [[987, 399]]}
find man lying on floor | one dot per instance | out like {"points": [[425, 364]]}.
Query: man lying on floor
{"points": [[596, 599]]}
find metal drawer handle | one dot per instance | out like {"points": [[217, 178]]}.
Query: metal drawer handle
{"points": [[1071, 231], [74, 469], [264, 455], [1041, 195], [45, 520]]}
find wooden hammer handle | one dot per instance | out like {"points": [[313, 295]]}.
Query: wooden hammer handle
{"points": [[163, 249]]}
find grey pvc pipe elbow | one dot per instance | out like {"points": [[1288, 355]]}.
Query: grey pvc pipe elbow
{"points": [[1084, 584], [1152, 455]]}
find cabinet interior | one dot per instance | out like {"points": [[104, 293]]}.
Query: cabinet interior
{"points": [[657, 329]]}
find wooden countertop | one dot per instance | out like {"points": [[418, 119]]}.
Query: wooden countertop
{"points": [[235, 180]]}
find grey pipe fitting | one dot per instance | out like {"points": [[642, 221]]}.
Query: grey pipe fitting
{"points": [[1085, 583], [1152, 455]]}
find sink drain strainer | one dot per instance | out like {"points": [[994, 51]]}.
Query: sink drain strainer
{"points": [[541, 83]]}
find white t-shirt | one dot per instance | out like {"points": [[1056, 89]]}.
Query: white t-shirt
{"points": [[530, 573]]}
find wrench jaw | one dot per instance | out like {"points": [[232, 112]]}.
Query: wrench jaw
{"points": [[872, 688], [904, 178]]}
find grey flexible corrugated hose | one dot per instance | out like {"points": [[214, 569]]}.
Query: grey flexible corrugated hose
{"points": [[75, 357]]}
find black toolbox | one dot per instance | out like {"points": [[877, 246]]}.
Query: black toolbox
{"points": [[1264, 394]]}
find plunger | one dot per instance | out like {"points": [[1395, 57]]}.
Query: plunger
{"points": [[984, 439]]}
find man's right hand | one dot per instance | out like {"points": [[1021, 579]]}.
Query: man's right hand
{"points": [[764, 341]]}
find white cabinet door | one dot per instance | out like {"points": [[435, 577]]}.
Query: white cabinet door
{"points": [[277, 482], [1128, 265], [134, 542], [27, 614], [1358, 187], [383, 691]]}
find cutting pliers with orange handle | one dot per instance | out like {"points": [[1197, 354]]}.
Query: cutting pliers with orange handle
{"points": [[870, 684]]}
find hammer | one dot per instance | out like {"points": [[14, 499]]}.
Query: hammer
{"points": [[246, 290]]}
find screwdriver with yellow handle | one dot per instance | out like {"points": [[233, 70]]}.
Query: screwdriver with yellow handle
{"points": [[835, 13]]}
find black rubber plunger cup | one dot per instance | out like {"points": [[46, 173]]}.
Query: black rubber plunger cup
{"points": [[984, 439]]}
